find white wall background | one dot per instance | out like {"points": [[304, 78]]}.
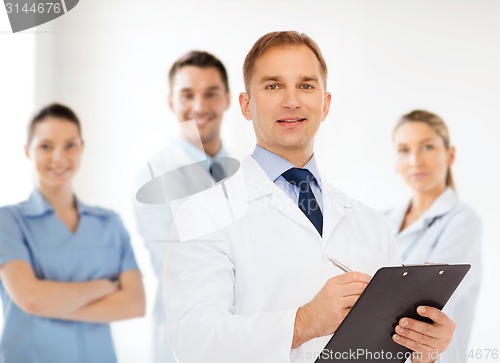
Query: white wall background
{"points": [[108, 60]]}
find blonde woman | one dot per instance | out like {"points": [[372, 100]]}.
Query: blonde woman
{"points": [[434, 226]]}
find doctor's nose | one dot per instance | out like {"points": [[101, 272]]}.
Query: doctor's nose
{"points": [[290, 99]]}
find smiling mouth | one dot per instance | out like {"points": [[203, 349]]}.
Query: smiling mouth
{"points": [[292, 120]]}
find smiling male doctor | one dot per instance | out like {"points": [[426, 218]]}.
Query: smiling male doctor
{"points": [[262, 289]]}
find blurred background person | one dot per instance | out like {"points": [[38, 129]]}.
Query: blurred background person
{"points": [[198, 97], [66, 269], [434, 226]]}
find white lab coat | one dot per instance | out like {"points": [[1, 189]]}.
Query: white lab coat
{"points": [[232, 296], [449, 232]]}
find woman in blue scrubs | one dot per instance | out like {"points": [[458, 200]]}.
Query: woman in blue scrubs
{"points": [[66, 269], [434, 226]]}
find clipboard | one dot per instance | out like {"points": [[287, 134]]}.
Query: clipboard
{"points": [[365, 335]]}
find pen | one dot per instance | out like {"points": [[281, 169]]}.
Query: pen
{"points": [[339, 265]]}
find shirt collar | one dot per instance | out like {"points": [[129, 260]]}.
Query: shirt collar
{"points": [[275, 165], [37, 205], [94, 211], [197, 154], [445, 202]]}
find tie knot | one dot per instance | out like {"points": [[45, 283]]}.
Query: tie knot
{"points": [[298, 177]]}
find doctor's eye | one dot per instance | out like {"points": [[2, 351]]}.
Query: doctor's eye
{"points": [[272, 87], [402, 151], [307, 87], [428, 147], [44, 147]]}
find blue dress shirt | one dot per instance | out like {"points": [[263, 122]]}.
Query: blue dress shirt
{"points": [[99, 248], [275, 165]]}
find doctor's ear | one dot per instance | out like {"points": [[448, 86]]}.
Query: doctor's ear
{"points": [[245, 105], [27, 152], [326, 105], [451, 155]]}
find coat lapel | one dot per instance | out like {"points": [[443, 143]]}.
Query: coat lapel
{"points": [[335, 206], [289, 209]]}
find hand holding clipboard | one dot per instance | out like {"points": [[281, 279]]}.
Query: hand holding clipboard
{"points": [[385, 325]]}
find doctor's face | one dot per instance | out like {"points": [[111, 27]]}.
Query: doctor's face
{"points": [[55, 151], [287, 100], [422, 159], [200, 94]]}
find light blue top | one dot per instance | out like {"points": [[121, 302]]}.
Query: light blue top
{"points": [[275, 165], [100, 248], [448, 232]]}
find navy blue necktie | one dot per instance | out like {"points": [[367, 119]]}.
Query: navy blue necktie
{"points": [[308, 204]]}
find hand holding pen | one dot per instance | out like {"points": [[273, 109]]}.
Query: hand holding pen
{"points": [[323, 314], [339, 265]]}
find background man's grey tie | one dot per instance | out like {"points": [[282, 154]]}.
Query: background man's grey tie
{"points": [[217, 171]]}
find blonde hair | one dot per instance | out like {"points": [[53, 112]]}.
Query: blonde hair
{"points": [[439, 127]]}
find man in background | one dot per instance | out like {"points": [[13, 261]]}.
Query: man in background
{"points": [[199, 96]]}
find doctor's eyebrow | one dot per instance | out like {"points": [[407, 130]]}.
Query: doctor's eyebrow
{"points": [[280, 79], [265, 79], [309, 79]]}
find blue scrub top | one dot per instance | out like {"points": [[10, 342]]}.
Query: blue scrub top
{"points": [[100, 248]]}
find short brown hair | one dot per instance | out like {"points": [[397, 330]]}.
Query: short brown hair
{"points": [[198, 59], [437, 124], [280, 39]]}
